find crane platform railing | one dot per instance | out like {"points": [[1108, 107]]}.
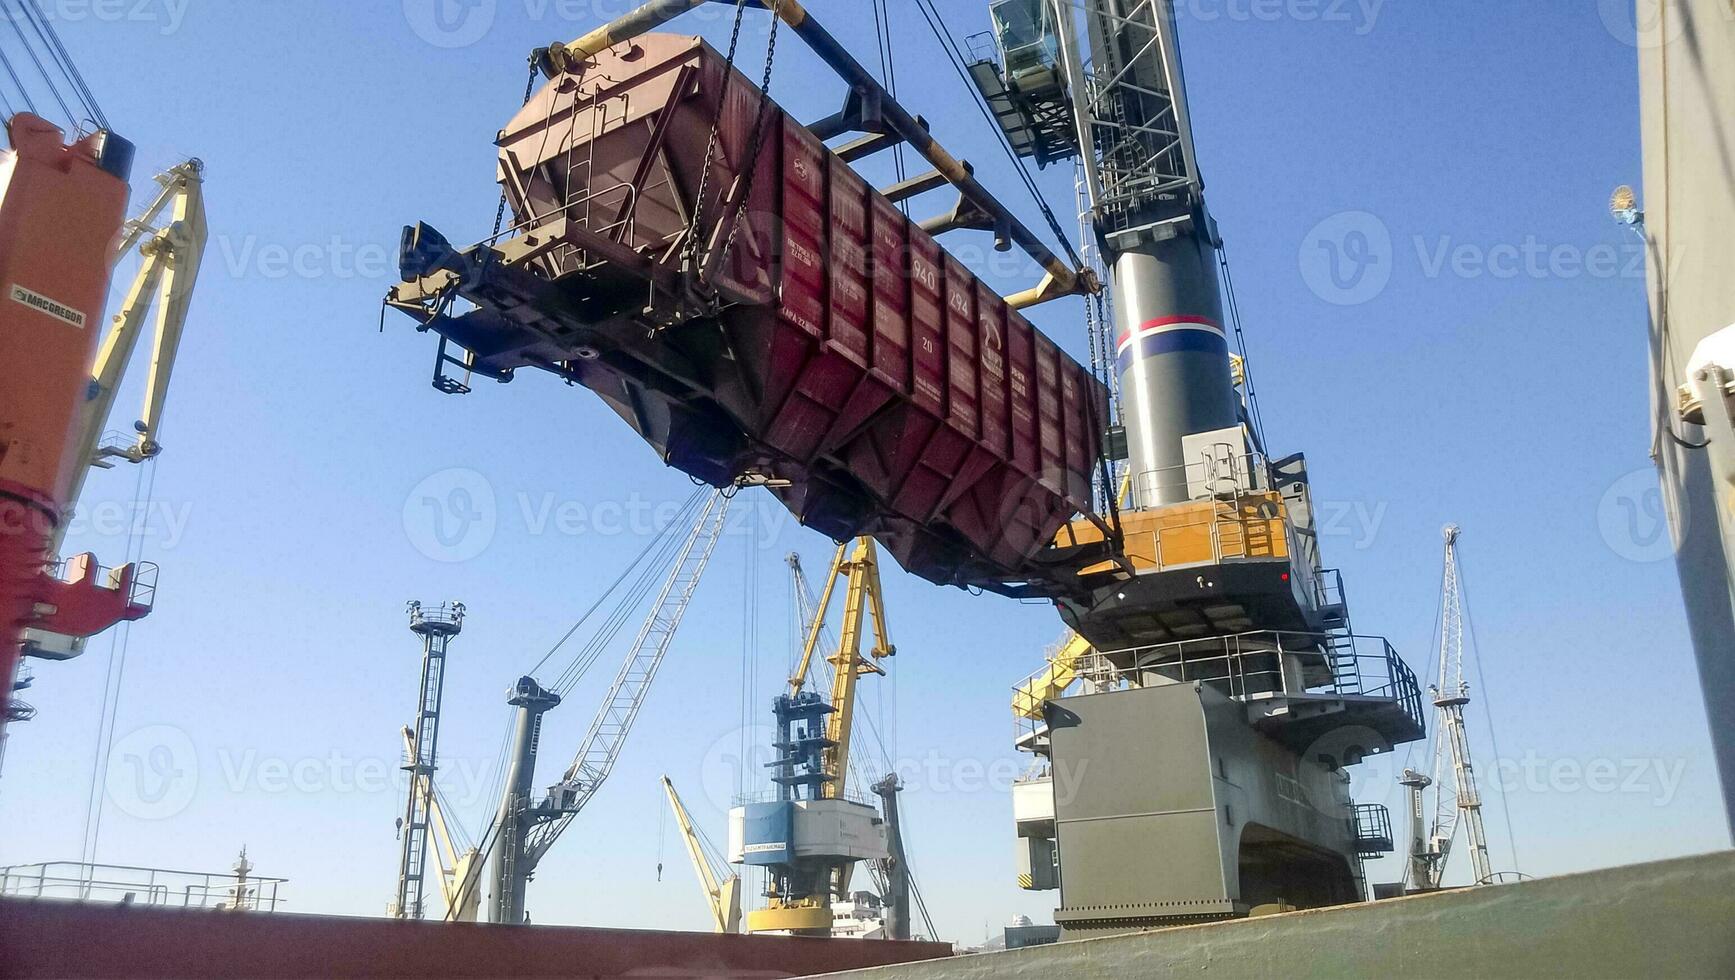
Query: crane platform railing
{"points": [[1255, 666], [1210, 474], [140, 585], [1372, 825]]}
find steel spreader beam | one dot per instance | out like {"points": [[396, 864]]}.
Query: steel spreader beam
{"points": [[880, 112]]}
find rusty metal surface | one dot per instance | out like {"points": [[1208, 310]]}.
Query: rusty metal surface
{"points": [[41, 938]]}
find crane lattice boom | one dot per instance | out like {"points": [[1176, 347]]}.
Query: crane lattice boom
{"points": [[620, 706]]}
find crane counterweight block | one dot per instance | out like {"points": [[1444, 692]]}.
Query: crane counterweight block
{"points": [[744, 300]]}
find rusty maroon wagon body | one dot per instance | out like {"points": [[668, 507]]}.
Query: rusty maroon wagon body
{"points": [[810, 335]]}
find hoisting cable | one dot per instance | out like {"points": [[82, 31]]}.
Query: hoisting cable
{"points": [[956, 57], [23, 93], [496, 777], [47, 79], [658, 539], [114, 677], [1487, 713], [889, 78], [662, 832], [58, 54], [1234, 306], [749, 647], [484, 850], [650, 573]]}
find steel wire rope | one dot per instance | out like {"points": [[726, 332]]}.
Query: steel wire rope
{"points": [[954, 54], [1487, 713], [889, 78], [47, 79], [23, 93], [114, 678], [588, 654], [749, 655], [484, 850], [1254, 412], [612, 586], [496, 780], [58, 55], [623, 610]]}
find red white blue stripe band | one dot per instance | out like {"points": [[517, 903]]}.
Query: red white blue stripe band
{"points": [[1167, 334]]}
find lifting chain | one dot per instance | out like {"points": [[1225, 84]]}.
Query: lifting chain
{"points": [[690, 250], [529, 88], [761, 118]]}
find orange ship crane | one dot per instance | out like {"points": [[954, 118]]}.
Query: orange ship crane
{"points": [[63, 228]]}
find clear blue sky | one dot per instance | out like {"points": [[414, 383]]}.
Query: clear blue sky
{"points": [[1476, 362]]}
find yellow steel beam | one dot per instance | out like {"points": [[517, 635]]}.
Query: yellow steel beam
{"points": [[722, 892], [1062, 670]]}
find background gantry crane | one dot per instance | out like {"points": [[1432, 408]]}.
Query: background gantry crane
{"points": [[810, 837]]}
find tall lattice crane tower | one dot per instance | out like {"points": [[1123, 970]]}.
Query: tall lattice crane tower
{"points": [[436, 625], [1456, 799]]}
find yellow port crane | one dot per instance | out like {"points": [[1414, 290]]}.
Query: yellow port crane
{"points": [[810, 838], [722, 887], [862, 598]]}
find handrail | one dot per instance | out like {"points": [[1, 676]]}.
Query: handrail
{"points": [[1248, 472], [1260, 664], [83, 881]]}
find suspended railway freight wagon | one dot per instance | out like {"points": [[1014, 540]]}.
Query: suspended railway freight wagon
{"points": [[753, 308]]}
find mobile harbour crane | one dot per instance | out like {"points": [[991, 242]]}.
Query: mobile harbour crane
{"points": [[772, 352]]}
